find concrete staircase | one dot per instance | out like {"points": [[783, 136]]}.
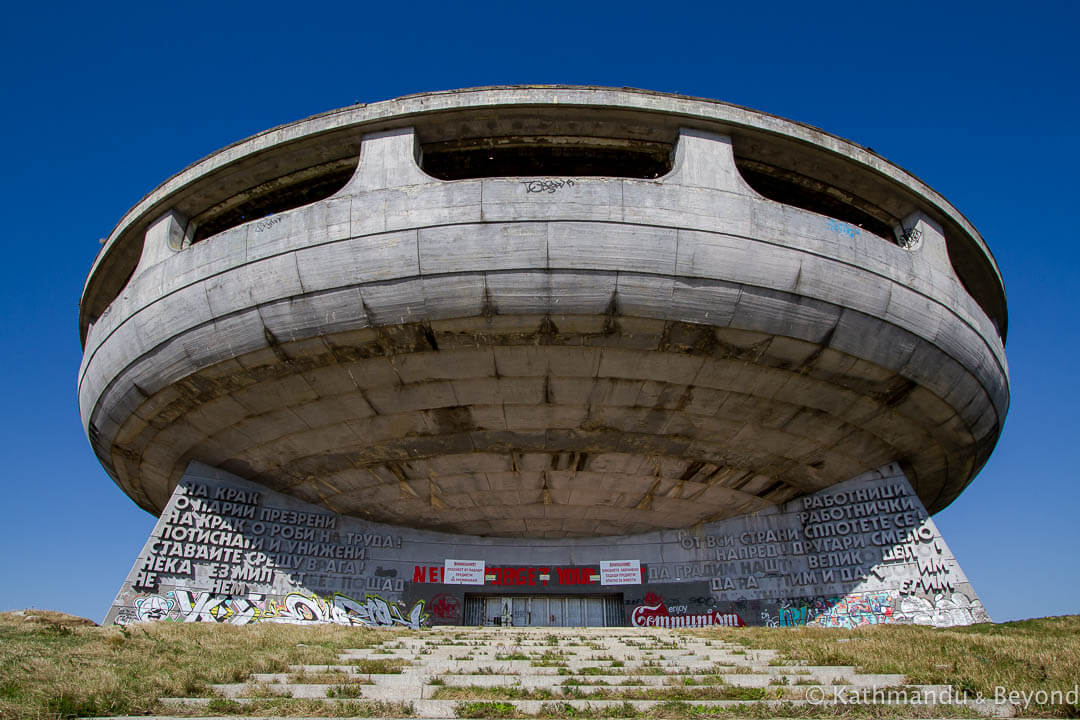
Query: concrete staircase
{"points": [[450, 672]]}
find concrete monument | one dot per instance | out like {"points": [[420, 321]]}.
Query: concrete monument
{"points": [[544, 356]]}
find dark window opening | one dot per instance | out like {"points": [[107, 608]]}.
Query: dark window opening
{"points": [[978, 278], [974, 270], [546, 156], [287, 193], [803, 192]]}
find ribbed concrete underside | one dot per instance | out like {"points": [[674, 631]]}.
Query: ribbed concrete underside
{"points": [[589, 356], [541, 426]]}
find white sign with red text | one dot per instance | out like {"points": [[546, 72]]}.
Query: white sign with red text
{"points": [[620, 572], [463, 572]]}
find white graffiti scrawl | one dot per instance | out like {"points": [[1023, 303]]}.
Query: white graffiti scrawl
{"points": [[295, 609], [943, 611], [153, 607]]}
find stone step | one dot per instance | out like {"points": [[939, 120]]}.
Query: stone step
{"points": [[584, 667], [328, 668], [235, 691], [405, 691], [447, 708], [370, 654], [509, 655], [612, 654], [574, 666], [610, 681], [285, 677]]}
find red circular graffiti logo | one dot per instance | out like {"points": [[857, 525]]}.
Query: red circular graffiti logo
{"points": [[444, 607]]}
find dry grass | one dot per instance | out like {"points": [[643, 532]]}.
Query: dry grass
{"points": [[485, 692], [288, 707], [513, 692], [327, 677], [1026, 656], [370, 666], [54, 666], [680, 710], [48, 617]]}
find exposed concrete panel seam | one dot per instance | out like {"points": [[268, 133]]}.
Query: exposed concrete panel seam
{"points": [[117, 377], [840, 420], [948, 308]]}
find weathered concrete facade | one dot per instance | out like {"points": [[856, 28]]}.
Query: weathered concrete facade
{"points": [[862, 552], [544, 314]]}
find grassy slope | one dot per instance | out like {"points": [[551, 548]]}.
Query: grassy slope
{"points": [[54, 666], [1027, 656], [51, 667]]}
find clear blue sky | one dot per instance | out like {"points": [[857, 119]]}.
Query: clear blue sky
{"points": [[101, 103]]}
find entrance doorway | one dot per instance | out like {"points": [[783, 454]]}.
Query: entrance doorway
{"points": [[545, 610]]}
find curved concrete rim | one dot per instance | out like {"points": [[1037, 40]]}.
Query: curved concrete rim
{"points": [[523, 95]]}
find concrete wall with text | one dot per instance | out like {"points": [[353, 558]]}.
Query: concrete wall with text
{"points": [[861, 552]]}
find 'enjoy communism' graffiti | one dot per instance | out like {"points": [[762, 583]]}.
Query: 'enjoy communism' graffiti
{"points": [[655, 613]]}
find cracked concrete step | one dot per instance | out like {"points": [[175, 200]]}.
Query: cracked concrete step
{"points": [[366, 654], [332, 668], [736, 680], [591, 655], [447, 708], [235, 691], [524, 667], [628, 663]]}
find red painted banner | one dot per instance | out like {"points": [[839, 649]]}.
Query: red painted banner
{"points": [[519, 575]]}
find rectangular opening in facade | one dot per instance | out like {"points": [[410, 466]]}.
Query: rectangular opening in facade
{"points": [[544, 610]]}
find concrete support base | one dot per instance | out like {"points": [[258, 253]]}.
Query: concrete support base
{"points": [[861, 552]]}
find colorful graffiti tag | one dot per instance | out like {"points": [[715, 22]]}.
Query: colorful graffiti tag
{"points": [[655, 613], [847, 611], [295, 608], [856, 610], [877, 608]]}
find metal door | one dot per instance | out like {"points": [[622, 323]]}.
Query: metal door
{"points": [[494, 611], [474, 610], [520, 611], [594, 612], [537, 612], [574, 615], [556, 611], [614, 616]]}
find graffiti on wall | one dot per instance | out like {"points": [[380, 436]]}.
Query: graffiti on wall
{"points": [[856, 610], [153, 607], [547, 185], [295, 609], [445, 607], [877, 608], [943, 611], [846, 611], [843, 228], [655, 613]]}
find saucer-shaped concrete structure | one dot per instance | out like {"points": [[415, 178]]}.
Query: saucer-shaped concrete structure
{"points": [[544, 356], [544, 312]]}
